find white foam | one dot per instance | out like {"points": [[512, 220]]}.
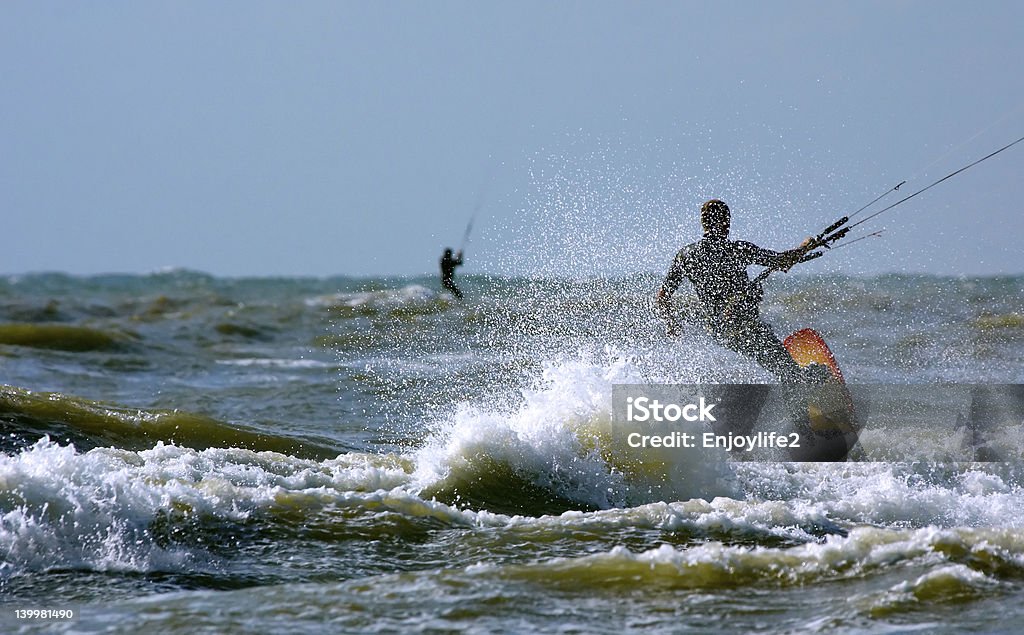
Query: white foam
{"points": [[384, 298], [95, 509], [951, 576], [263, 362], [62, 508], [865, 551], [719, 516], [969, 495], [553, 439]]}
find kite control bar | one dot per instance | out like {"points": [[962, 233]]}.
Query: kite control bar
{"points": [[825, 239]]}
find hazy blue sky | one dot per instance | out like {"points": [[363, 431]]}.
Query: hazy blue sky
{"points": [[254, 138]]}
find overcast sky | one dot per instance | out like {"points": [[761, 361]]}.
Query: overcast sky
{"points": [[322, 138]]}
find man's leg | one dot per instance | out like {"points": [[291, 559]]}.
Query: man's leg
{"points": [[757, 340], [799, 387], [450, 285]]}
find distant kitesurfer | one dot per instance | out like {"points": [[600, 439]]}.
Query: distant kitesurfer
{"points": [[727, 302], [448, 264]]}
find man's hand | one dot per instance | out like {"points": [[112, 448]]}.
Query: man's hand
{"points": [[793, 256], [663, 309], [790, 258]]}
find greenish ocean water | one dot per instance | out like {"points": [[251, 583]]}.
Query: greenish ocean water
{"points": [[186, 453]]}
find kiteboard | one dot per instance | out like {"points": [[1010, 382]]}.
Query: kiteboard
{"points": [[830, 409], [806, 347]]}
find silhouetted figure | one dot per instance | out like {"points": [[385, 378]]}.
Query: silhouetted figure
{"points": [[448, 264], [728, 307], [728, 310]]}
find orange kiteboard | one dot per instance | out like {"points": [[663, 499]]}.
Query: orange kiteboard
{"points": [[806, 347], [831, 408]]}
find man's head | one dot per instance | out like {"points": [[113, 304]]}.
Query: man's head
{"points": [[714, 218], [447, 252]]}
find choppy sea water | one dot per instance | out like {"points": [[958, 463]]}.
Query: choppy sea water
{"points": [[194, 454]]}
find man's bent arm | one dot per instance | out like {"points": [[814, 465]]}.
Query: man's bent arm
{"points": [[663, 299]]}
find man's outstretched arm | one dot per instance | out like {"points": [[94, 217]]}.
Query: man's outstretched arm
{"points": [[783, 260]]}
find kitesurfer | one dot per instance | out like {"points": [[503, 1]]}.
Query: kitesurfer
{"points": [[727, 301], [448, 265]]}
